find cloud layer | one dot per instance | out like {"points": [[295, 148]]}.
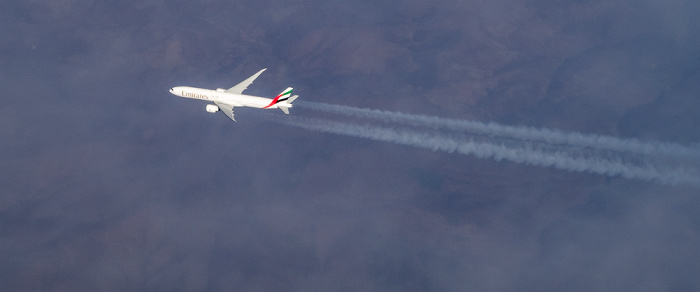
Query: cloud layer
{"points": [[110, 183]]}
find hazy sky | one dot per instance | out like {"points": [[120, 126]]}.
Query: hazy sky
{"points": [[109, 182]]}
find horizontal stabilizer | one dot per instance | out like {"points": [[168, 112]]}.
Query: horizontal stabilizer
{"points": [[284, 109], [287, 103]]}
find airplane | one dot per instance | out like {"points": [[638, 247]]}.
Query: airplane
{"points": [[226, 99]]}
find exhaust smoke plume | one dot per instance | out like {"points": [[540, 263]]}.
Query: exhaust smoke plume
{"points": [[651, 161], [550, 136]]}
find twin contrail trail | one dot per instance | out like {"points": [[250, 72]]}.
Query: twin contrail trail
{"points": [[522, 133], [651, 161]]}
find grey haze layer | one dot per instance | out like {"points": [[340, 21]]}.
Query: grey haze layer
{"points": [[108, 182]]}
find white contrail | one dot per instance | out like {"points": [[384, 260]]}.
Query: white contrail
{"points": [[526, 154], [550, 136]]}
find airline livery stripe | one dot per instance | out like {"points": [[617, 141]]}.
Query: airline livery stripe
{"points": [[278, 98]]}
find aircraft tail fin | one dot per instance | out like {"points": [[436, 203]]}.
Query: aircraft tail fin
{"points": [[286, 104], [284, 100], [284, 96]]}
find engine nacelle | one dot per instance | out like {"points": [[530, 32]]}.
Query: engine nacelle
{"points": [[212, 108]]}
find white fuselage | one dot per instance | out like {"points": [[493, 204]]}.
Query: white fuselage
{"points": [[219, 96]]}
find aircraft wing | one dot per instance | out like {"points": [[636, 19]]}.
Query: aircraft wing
{"points": [[238, 89], [227, 109]]}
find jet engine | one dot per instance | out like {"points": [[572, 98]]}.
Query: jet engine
{"points": [[212, 108]]}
